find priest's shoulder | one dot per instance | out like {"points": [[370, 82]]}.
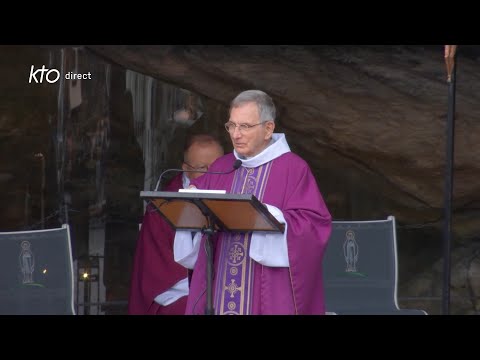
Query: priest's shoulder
{"points": [[293, 159], [175, 184]]}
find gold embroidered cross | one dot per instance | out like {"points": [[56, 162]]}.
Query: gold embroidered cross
{"points": [[236, 254], [232, 288]]}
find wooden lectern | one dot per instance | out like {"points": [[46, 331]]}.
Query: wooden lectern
{"points": [[209, 213]]}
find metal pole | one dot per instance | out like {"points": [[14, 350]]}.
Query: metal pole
{"points": [[450, 51], [42, 190], [27, 206], [209, 310]]}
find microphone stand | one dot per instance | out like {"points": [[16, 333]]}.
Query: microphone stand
{"points": [[235, 166], [209, 230]]}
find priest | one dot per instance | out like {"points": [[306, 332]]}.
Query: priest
{"points": [[261, 273], [159, 285]]}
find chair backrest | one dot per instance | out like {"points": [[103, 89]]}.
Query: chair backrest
{"points": [[37, 272], [360, 268]]}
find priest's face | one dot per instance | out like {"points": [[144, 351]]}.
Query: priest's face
{"points": [[249, 136]]}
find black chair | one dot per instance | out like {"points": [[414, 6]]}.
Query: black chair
{"points": [[37, 272], [360, 269]]}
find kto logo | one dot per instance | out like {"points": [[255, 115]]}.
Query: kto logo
{"points": [[51, 75]]}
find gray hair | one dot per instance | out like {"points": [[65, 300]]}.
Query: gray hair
{"points": [[265, 105]]}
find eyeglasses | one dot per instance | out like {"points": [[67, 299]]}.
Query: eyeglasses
{"points": [[200, 168], [230, 126]]}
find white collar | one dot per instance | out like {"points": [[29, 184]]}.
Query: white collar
{"points": [[277, 147], [185, 180]]}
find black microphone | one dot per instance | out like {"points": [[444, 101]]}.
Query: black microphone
{"points": [[236, 165]]}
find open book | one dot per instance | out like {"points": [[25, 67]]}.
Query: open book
{"points": [[199, 191]]}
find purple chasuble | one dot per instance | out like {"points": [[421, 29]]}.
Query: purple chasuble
{"points": [[154, 268], [244, 286]]}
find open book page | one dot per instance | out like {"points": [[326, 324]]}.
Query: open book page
{"points": [[199, 191]]}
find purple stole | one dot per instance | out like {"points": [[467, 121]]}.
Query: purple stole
{"points": [[234, 284]]}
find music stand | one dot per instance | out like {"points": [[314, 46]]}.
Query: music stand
{"points": [[209, 213]]}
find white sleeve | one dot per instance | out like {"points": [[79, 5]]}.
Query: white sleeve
{"points": [[270, 249], [185, 249], [177, 291]]}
